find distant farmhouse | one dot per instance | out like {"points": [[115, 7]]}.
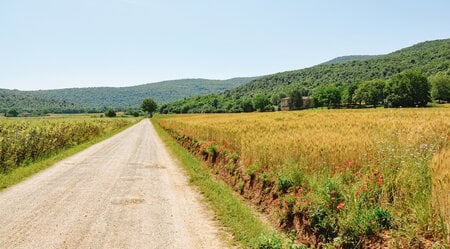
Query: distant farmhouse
{"points": [[286, 103]]}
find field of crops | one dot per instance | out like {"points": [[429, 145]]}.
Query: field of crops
{"points": [[24, 140], [343, 177]]}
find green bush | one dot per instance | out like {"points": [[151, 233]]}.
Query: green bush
{"points": [[268, 242], [110, 113]]}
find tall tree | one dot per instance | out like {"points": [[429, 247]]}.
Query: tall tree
{"points": [[149, 106], [327, 95], [440, 87], [349, 91], [296, 99], [247, 105], [409, 88], [370, 92], [261, 102]]}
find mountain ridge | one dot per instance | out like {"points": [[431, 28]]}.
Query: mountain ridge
{"points": [[347, 58]]}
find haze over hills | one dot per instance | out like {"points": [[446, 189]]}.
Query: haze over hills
{"points": [[429, 57]]}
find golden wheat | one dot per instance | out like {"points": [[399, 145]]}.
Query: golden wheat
{"points": [[390, 148]]}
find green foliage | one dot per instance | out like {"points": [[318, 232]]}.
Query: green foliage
{"points": [[133, 112], [429, 57], [110, 113], [348, 58], [409, 89], [440, 87], [383, 218], [247, 105], [348, 93], [269, 242], [13, 113], [296, 99], [327, 95], [121, 98], [21, 102], [261, 102], [346, 74], [149, 105], [284, 183], [370, 92]]}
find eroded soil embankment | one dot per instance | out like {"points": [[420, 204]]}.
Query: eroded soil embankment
{"points": [[264, 193]]}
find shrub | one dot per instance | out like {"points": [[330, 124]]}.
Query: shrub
{"points": [[268, 242], [110, 113]]}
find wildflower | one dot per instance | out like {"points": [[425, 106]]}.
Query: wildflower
{"points": [[333, 198], [380, 180], [277, 201], [341, 205]]}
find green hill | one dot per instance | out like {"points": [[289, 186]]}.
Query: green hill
{"points": [[124, 97], [429, 57], [13, 99]]}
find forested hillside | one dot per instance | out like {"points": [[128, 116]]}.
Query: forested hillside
{"points": [[428, 58], [125, 97], [18, 101], [343, 59]]}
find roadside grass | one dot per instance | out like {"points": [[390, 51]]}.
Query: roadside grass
{"points": [[21, 173], [239, 219]]}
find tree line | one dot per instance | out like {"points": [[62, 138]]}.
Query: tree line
{"points": [[410, 88]]}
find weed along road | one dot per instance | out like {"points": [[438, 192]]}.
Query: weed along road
{"points": [[125, 192]]}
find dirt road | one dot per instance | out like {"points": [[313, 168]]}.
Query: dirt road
{"points": [[125, 192]]}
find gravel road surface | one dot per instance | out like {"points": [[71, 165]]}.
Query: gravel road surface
{"points": [[125, 192]]}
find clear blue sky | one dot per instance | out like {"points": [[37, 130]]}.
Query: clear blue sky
{"points": [[60, 43]]}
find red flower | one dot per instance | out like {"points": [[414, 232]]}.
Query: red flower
{"points": [[341, 205], [277, 201], [380, 180]]}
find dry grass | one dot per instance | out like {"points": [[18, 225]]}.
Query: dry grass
{"points": [[440, 168]]}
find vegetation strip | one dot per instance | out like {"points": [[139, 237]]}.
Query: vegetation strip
{"points": [[237, 216], [19, 174]]}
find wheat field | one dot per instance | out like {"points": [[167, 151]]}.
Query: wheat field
{"points": [[376, 163], [24, 140]]}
